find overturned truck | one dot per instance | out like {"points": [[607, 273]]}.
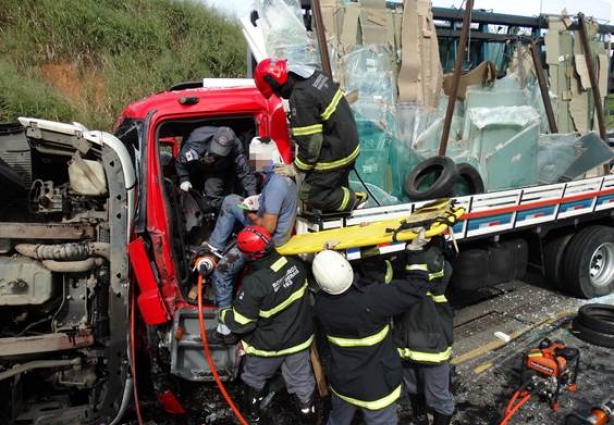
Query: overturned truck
{"points": [[67, 208]]}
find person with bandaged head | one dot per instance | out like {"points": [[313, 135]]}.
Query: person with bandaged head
{"points": [[274, 209], [366, 371], [214, 157]]}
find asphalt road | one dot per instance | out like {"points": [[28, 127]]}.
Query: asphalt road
{"points": [[486, 366]]}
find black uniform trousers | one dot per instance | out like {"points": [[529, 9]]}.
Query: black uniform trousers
{"points": [[328, 191]]}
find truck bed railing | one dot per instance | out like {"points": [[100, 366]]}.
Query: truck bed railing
{"points": [[489, 214]]}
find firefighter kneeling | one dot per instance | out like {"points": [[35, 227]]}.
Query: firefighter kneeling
{"points": [[272, 316]]}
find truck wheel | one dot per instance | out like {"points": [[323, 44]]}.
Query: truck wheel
{"points": [[588, 266], [439, 172], [553, 257]]}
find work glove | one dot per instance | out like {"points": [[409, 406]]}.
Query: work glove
{"points": [[185, 186], [418, 243], [251, 203], [428, 259], [286, 170]]}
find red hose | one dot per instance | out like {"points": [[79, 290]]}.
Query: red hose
{"points": [[216, 376], [512, 408]]}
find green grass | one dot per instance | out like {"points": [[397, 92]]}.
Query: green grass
{"points": [[118, 51]]}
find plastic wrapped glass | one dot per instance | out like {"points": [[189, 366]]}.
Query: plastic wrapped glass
{"points": [[556, 152], [284, 32], [377, 194], [487, 128], [514, 163], [369, 70], [591, 152]]}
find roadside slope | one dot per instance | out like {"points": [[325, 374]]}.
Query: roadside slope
{"points": [[84, 61]]}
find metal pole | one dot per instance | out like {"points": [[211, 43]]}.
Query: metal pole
{"points": [[443, 144], [543, 87], [594, 82], [321, 35]]}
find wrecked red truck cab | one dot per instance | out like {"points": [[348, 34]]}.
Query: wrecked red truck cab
{"points": [[169, 227]]}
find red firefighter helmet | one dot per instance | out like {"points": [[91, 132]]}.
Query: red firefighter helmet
{"points": [[254, 242], [270, 72]]}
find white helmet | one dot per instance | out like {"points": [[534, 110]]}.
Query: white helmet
{"points": [[332, 271]]}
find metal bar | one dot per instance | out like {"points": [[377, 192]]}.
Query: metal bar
{"points": [[443, 143], [321, 36], [72, 231], [17, 346], [455, 34], [543, 87], [484, 17], [588, 54], [38, 364]]}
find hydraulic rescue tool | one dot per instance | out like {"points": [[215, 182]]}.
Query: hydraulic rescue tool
{"points": [[600, 415], [546, 371]]}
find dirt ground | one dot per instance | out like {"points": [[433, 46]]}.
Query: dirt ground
{"points": [[486, 368]]}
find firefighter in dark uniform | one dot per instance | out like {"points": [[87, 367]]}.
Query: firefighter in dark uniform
{"points": [[366, 371], [272, 317], [214, 156], [424, 336], [324, 129]]}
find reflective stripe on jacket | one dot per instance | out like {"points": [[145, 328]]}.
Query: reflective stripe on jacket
{"points": [[322, 125], [424, 333], [272, 311], [365, 367]]}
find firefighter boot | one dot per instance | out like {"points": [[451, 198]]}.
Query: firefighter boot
{"points": [[251, 404], [307, 410], [418, 407], [440, 419]]}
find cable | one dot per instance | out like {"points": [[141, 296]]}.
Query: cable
{"points": [[510, 411], [203, 337], [365, 186], [511, 408]]}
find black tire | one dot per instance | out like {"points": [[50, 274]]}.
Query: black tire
{"points": [[588, 263], [444, 172], [592, 336], [553, 259], [470, 178], [598, 317]]}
